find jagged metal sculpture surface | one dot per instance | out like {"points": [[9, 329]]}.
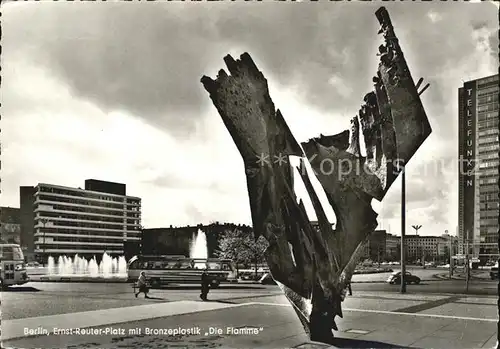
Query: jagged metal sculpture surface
{"points": [[313, 266]]}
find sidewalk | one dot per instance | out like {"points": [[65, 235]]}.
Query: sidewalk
{"points": [[371, 320], [461, 276]]}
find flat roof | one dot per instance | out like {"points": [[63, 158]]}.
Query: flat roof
{"points": [[87, 191]]}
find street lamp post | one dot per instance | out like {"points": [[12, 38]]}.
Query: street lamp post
{"points": [[450, 252], [467, 266], [417, 227], [403, 224]]}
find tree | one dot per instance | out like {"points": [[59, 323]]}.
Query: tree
{"points": [[242, 247]]}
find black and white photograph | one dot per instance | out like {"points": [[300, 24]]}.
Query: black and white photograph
{"points": [[249, 174]]}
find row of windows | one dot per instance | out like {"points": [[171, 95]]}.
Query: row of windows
{"points": [[83, 201], [488, 81], [488, 132], [488, 99], [489, 205], [485, 164], [489, 176], [489, 229], [488, 156], [488, 198], [485, 124], [89, 218], [483, 115], [488, 173], [86, 240], [428, 244], [77, 247], [90, 225], [488, 181], [82, 217], [94, 210], [87, 194], [489, 222], [488, 148], [424, 240], [130, 233], [488, 214], [426, 248], [489, 189], [488, 140], [488, 107], [490, 239], [488, 91]]}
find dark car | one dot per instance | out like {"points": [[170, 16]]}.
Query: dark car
{"points": [[494, 273], [395, 278]]}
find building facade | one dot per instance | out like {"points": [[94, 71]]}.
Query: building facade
{"points": [[10, 225], [375, 247], [478, 167], [392, 248], [68, 221], [428, 248], [27, 217]]}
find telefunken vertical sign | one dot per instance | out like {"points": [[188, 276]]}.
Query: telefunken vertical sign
{"points": [[469, 157]]}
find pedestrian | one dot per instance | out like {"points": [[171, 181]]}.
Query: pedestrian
{"points": [[349, 288], [143, 286], [205, 285]]}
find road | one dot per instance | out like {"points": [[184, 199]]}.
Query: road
{"points": [[424, 274], [485, 288], [46, 298], [49, 298], [376, 316]]}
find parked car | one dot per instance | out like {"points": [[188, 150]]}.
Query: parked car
{"points": [[395, 278], [267, 279], [494, 273]]}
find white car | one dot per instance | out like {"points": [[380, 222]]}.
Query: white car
{"points": [[444, 266]]}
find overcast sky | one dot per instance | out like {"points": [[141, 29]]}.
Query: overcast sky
{"points": [[112, 91]]}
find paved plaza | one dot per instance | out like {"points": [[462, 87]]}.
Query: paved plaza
{"points": [[260, 317]]}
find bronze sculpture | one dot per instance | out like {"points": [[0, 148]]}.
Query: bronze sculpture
{"points": [[314, 266]]}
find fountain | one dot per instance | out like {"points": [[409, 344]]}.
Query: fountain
{"points": [[110, 267], [198, 248]]}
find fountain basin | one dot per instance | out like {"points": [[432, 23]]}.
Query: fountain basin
{"points": [[77, 278], [41, 274]]}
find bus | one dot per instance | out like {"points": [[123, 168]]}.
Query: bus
{"points": [[12, 266], [173, 269]]}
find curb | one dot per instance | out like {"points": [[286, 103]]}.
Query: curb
{"points": [[374, 272], [77, 280], [383, 282], [458, 277]]}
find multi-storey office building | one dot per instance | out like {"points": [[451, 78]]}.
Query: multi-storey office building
{"points": [[87, 222], [478, 175], [27, 220], [393, 248], [375, 246], [429, 248]]}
